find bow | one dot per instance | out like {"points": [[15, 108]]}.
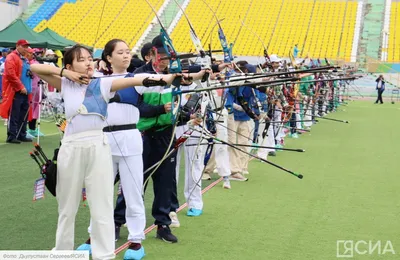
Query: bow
{"points": [[266, 56], [228, 58], [174, 63]]}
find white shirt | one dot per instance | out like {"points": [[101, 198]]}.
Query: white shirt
{"points": [[125, 142], [74, 95]]}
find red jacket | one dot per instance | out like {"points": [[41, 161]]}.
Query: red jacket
{"points": [[11, 82]]}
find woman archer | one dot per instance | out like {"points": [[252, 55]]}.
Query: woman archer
{"points": [[85, 158]]}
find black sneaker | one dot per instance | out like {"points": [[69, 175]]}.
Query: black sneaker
{"points": [[164, 233], [25, 139], [13, 141], [117, 230]]}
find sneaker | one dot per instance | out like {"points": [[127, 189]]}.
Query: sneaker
{"points": [[25, 139], [192, 212], [29, 136], [135, 252], [39, 133], [117, 231], [237, 177], [31, 132], [174, 220], [206, 177], [13, 141], [226, 184], [164, 233], [85, 247], [294, 135], [215, 171]]}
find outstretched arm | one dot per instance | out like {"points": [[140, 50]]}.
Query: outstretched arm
{"points": [[52, 75], [143, 80]]}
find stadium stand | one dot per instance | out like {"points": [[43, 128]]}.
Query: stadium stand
{"points": [[320, 28], [86, 23], [45, 12], [11, 2], [394, 34]]}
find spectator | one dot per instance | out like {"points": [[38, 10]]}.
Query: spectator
{"points": [[295, 51], [3, 55], [380, 86], [36, 97], [17, 84]]}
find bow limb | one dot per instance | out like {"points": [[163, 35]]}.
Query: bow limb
{"points": [[266, 56], [228, 58]]}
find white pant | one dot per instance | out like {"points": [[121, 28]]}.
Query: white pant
{"points": [[84, 159], [268, 140], [298, 119], [194, 165], [307, 115], [278, 127], [221, 150], [131, 174]]}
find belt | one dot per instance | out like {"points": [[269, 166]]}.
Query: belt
{"points": [[114, 128]]}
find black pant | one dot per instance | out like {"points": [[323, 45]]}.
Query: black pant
{"points": [[255, 134], [380, 92], [155, 145], [292, 123], [18, 117], [32, 124]]}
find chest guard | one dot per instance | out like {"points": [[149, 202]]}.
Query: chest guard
{"points": [[94, 103], [126, 96]]}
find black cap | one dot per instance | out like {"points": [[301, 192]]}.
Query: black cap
{"points": [[158, 43], [146, 49]]}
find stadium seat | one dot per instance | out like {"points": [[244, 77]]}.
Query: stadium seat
{"points": [[320, 28], [86, 23], [394, 34]]}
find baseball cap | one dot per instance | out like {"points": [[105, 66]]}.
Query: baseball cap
{"points": [[158, 44], [274, 58], [251, 68], [49, 52], [22, 42]]}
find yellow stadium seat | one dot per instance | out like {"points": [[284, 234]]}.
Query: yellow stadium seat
{"points": [[394, 33], [86, 23], [291, 17]]}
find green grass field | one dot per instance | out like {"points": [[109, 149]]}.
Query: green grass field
{"points": [[349, 192]]}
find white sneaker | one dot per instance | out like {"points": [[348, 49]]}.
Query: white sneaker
{"points": [[237, 177], [174, 220], [226, 184], [206, 177], [215, 171]]}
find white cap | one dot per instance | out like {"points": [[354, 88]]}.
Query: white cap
{"points": [[274, 58], [49, 52]]}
